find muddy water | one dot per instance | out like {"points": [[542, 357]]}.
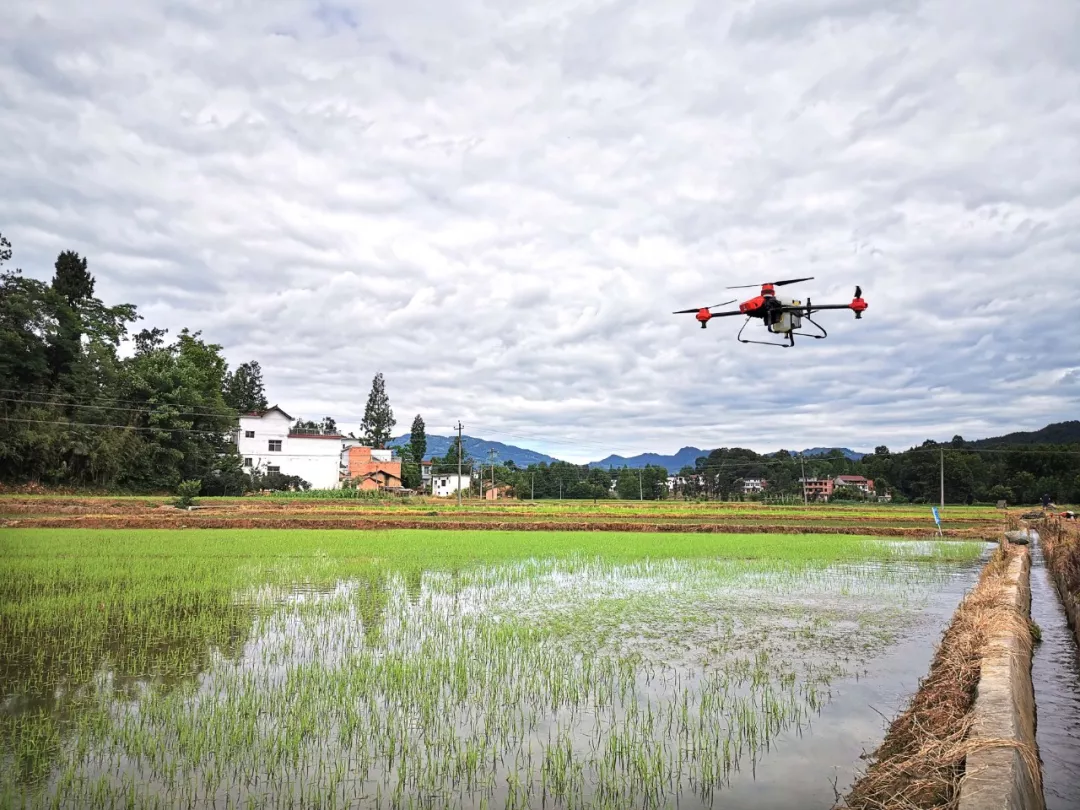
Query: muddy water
{"points": [[1055, 672]]}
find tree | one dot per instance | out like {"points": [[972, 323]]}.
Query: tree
{"points": [[244, 391], [414, 453], [72, 280], [329, 426], [378, 416], [449, 462], [648, 482], [417, 440], [150, 339], [73, 285]]}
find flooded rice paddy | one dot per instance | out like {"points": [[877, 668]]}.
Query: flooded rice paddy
{"points": [[743, 676]]}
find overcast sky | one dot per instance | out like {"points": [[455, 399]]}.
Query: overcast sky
{"points": [[499, 204]]}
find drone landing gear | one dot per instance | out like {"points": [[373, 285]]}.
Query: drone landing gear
{"points": [[823, 334], [791, 338]]}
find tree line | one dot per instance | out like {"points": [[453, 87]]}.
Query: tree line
{"points": [[972, 473], [75, 413]]}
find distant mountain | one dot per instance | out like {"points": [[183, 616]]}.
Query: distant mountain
{"points": [[478, 449], [823, 451], [684, 457], [1057, 433]]}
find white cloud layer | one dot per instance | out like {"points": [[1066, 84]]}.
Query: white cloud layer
{"points": [[499, 204]]}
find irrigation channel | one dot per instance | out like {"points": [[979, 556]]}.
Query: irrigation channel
{"points": [[1055, 673], [716, 682]]}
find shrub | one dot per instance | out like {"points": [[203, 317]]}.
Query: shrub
{"points": [[186, 492]]}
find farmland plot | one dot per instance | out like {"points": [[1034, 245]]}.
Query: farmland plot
{"points": [[349, 671]]}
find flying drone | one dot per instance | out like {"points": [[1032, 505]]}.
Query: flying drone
{"points": [[781, 316]]}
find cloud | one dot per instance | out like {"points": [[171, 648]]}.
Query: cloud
{"points": [[499, 205]]}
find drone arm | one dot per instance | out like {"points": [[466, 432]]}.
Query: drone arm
{"points": [[857, 306], [728, 313]]}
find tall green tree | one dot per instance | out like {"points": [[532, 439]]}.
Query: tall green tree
{"points": [[418, 439], [244, 389], [73, 286], [72, 280], [414, 454], [378, 415]]}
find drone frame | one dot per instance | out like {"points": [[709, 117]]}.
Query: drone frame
{"points": [[771, 314]]}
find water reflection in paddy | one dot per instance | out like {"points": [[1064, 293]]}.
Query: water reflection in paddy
{"points": [[571, 683]]}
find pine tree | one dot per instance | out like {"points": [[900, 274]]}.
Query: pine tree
{"points": [[378, 416], [418, 440], [244, 391], [72, 280]]}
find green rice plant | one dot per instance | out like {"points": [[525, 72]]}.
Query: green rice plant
{"points": [[430, 669]]}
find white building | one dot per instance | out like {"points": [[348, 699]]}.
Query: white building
{"points": [[751, 485], [266, 443], [443, 484]]}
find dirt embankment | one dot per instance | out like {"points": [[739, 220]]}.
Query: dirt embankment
{"points": [[39, 507], [1060, 541], [950, 736], [259, 513], [184, 520]]}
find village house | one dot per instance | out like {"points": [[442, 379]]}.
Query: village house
{"points": [[372, 469], [817, 489], [822, 489], [752, 485], [497, 492], [865, 485], [446, 484], [267, 443]]}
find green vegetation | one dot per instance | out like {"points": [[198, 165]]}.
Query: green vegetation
{"points": [[428, 668], [378, 424], [186, 492], [982, 471]]}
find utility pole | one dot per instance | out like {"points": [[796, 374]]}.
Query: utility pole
{"points": [[459, 427], [640, 491], [560, 488], [802, 460], [532, 486], [491, 455]]}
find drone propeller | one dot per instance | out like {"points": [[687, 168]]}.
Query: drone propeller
{"points": [[858, 292], [698, 309], [773, 283]]}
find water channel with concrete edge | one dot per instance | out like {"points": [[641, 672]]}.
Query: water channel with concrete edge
{"points": [[1055, 672]]}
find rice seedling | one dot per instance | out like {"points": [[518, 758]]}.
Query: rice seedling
{"points": [[431, 669]]}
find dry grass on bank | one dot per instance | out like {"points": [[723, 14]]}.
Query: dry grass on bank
{"points": [[920, 763], [1060, 540]]}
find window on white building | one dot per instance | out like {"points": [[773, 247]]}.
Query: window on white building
{"points": [[249, 434], [274, 445], [247, 461], [272, 469]]}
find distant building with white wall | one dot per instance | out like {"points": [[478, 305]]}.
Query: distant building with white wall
{"points": [[266, 443], [752, 485], [444, 484]]}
